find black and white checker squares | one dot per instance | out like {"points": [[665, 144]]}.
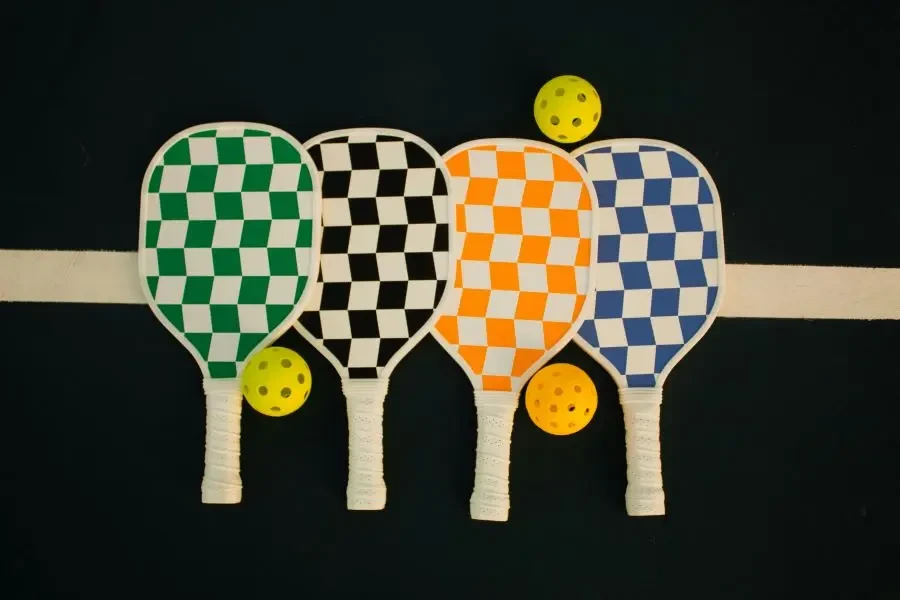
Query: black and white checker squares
{"points": [[385, 246]]}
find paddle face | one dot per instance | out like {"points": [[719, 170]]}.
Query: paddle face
{"points": [[660, 257], [385, 248], [524, 217], [227, 239]]}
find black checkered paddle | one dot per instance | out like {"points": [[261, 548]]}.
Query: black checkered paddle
{"points": [[384, 268]]}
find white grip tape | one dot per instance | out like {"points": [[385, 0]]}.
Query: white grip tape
{"points": [[365, 414], [222, 469], [644, 496], [490, 498]]}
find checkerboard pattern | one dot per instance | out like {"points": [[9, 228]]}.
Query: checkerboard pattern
{"points": [[657, 258], [525, 228], [385, 246], [227, 240]]}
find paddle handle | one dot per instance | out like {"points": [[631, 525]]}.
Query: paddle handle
{"points": [[365, 415], [490, 497], [222, 468], [644, 495]]}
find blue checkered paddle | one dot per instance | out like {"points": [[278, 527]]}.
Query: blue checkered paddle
{"points": [[660, 267]]}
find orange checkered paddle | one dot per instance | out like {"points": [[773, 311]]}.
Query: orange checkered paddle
{"points": [[524, 224]]}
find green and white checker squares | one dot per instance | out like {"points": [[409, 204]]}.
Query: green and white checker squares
{"points": [[228, 243]]}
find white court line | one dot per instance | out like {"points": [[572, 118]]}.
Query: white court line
{"points": [[754, 291]]}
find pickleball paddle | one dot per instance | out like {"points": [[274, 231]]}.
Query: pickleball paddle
{"points": [[385, 261], [660, 266], [229, 238], [524, 222]]}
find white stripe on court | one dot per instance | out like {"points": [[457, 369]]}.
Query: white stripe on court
{"points": [[755, 291]]}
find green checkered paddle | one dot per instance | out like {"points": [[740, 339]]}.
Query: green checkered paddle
{"points": [[228, 242]]}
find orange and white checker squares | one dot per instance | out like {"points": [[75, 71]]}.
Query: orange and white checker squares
{"points": [[524, 222]]}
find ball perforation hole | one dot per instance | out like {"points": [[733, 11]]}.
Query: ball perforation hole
{"points": [[553, 408], [596, 116], [576, 122], [554, 120], [263, 365], [286, 363], [301, 379], [571, 408], [558, 391], [263, 390], [560, 91], [577, 389], [553, 424], [562, 136], [544, 103], [581, 97], [286, 392]]}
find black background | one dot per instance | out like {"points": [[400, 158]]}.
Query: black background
{"points": [[780, 438]]}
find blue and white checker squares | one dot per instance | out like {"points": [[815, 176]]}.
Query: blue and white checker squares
{"points": [[660, 259]]}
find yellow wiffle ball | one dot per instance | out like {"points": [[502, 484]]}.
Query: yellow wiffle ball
{"points": [[276, 381], [561, 399], [567, 109]]}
